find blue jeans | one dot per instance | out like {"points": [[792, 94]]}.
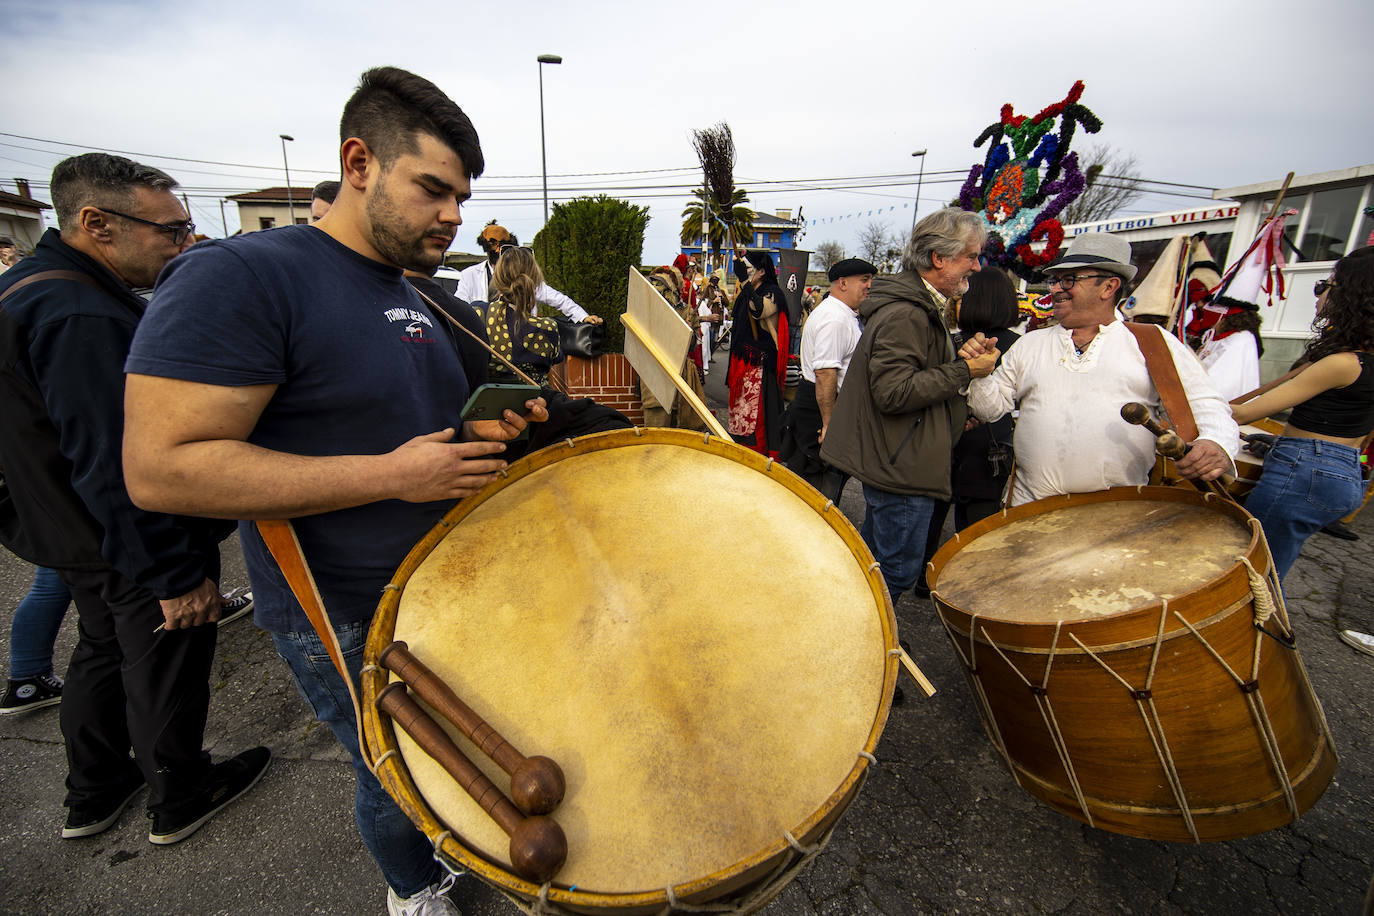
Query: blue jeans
{"points": [[403, 854], [36, 622], [1306, 484], [894, 528]]}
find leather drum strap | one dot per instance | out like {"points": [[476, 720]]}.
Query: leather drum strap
{"points": [[285, 548], [73, 275], [1159, 362]]}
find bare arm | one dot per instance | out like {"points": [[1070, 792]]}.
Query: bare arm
{"points": [[827, 387], [1334, 371], [185, 452]]}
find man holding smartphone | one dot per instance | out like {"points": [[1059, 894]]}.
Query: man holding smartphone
{"points": [[295, 374]]}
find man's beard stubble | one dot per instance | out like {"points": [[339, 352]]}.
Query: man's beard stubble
{"points": [[388, 226]]}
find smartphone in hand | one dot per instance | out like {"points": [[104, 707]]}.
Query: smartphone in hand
{"points": [[490, 402]]}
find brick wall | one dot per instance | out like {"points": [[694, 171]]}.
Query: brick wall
{"points": [[609, 379]]}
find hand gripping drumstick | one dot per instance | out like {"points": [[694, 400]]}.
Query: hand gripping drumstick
{"points": [[536, 783], [1168, 443], [538, 847]]}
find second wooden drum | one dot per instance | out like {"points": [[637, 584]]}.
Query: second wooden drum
{"points": [[1133, 663]]}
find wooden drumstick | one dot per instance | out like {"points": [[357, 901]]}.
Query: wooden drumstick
{"points": [[1168, 443], [536, 783], [538, 847]]}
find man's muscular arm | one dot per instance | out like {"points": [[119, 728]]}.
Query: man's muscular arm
{"points": [[185, 452], [827, 387]]}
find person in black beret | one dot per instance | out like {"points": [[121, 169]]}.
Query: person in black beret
{"points": [[828, 341]]}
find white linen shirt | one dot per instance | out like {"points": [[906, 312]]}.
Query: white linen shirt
{"points": [[828, 339], [472, 287], [1070, 437]]}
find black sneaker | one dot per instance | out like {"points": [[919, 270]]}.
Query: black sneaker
{"points": [[1338, 529], [31, 693], [227, 781], [97, 817], [234, 605]]}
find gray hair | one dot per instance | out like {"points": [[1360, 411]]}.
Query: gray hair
{"points": [[945, 232], [101, 180]]}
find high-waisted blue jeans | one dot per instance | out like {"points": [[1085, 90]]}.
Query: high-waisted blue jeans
{"points": [[1306, 485]]}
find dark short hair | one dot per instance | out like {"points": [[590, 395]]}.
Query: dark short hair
{"points": [[325, 191], [7, 242], [990, 303], [101, 180], [391, 107]]}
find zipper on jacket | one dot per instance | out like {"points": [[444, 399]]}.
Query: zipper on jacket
{"points": [[905, 439]]}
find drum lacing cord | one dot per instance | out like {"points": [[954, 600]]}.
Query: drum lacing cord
{"points": [[1258, 710], [767, 889], [984, 706], [1149, 714], [1267, 591], [1041, 693]]}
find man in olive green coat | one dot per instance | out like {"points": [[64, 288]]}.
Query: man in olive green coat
{"points": [[902, 405]]}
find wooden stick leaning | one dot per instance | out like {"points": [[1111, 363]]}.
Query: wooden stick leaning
{"points": [[536, 785], [538, 846]]}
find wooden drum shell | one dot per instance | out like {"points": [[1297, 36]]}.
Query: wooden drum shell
{"points": [[753, 874], [1189, 761]]}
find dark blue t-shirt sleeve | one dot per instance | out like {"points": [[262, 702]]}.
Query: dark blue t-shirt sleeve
{"points": [[212, 320]]}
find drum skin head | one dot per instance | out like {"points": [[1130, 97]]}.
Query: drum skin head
{"points": [[1093, 560], [699, 649]]}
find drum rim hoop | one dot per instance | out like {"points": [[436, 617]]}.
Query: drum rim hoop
{"points": [[381, 738]]}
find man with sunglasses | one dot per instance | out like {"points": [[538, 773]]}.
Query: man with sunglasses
{"points": [[474, 281], [1070, 382], [144, 583]]}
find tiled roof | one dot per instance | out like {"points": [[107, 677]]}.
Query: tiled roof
{"points": [[18, 200], [277, 194]]}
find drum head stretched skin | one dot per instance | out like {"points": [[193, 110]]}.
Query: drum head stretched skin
{"points": [[1084, 562], [698, 648]]}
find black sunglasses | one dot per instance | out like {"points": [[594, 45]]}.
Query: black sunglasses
{"points": [[180, 232], [1322, 286]]}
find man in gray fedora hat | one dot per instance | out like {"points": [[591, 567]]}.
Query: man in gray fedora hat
{"points": [[1071, 381]]}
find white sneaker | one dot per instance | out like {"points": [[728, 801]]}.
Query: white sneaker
{"points": [[1361, 642], [432, 901]]}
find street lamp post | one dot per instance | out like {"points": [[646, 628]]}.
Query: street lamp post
{"points": [[543, 155], [289, 204], [916, 212]]}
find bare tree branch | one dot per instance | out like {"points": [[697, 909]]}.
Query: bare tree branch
{"points": [[1113, 183]]}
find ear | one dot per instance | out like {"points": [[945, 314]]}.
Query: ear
{"points": [[359, 163], [94, 223]]}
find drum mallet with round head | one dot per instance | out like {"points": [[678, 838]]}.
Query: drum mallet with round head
{"points": [[1167, 443], [538, 847], [536, 783]]}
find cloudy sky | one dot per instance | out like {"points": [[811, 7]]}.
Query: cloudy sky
{"points": [[1215, 94]]}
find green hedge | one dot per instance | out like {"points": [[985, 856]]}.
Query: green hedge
{"points": [[586, 250]]}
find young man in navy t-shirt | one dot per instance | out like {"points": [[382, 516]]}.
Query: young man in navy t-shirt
{"points": [[295, 374]]}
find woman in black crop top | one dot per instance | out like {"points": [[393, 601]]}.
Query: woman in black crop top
{"points": [[1312, 474]]}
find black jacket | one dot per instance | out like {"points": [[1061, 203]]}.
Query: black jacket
{"points": [[62, 350]]}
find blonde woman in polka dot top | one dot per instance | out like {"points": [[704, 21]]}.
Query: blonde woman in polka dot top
{"points": [[531, 343]]}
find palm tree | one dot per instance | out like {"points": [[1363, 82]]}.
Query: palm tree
{"points": [[740, 227]]}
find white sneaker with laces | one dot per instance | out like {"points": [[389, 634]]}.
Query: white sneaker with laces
{"points": [[1361, 642], [432, 901]]}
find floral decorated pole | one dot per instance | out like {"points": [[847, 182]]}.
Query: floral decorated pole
{"points": [[1026, 180]]}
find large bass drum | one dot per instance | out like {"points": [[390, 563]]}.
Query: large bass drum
{"points": [[1133, 662], [698, 639]]}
